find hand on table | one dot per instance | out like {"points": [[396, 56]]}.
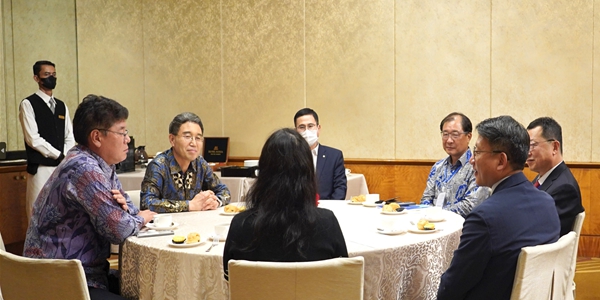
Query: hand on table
{"points": [[147, 215], [205, 200]]}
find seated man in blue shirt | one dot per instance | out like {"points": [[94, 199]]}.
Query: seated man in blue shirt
{"points": [[82, 208], [453, 176], [179, 179]]}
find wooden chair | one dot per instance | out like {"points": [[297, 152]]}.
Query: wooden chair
{"points": [[26, 278], [337, 278], [542, 271]]}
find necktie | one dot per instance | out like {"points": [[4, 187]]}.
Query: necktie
{"points": [[52, 104], [536, 184]]}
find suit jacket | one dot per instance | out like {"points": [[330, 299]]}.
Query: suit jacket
{"points": [[331, 174], [563, 187], [516, 215]]}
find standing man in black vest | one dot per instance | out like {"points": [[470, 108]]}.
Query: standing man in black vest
{"points": [[47, 130]]}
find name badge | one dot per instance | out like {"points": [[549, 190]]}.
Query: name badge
{"points": [[61, 117]]}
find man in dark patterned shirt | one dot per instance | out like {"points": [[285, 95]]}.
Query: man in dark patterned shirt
{"points": [[179, 179], [82, 208]]}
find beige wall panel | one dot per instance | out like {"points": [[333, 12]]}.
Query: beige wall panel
{"points": [[596, 86], [350, 74], [182, 60], [263, 70], [43, 29], [542, 66], [3, 86], [110, 54], [442, 65]]}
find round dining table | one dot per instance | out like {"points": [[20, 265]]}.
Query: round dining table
{"points": [[400, 263]]}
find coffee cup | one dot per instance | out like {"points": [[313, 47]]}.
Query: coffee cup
{"points": [[372, 198], [161, 220], [221, 230]]}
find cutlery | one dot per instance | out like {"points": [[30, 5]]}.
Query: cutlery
{"points": [[215, 242]]}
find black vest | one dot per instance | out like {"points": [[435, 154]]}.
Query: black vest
{"points": [[51, 127]]}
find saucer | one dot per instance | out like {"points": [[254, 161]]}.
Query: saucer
{"points": [[434, 219], [370, 204], [393, 212], [152, 226], [228, 213], [221, 238], [354, 203], [185, 245], [416, 230], [391, 232]]}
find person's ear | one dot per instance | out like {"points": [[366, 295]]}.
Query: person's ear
{"points": [[555, 147], [96, 138], [503, 162], [172, 139]]}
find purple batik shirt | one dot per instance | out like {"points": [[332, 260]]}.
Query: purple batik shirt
{"points": [[76, 217]]}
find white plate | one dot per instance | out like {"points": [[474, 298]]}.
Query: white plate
{"points": [[415, 230], [435, 219], [228, 213], [185, 245], [393, 212], [354, 203], [391, 232], [152, 226], [369, 204]]}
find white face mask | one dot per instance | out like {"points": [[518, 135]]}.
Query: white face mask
{"points": [[310, 136]]}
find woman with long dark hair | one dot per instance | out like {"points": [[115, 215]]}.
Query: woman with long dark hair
{"points": [[282, 222]]}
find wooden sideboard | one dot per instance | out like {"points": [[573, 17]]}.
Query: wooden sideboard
{"points": [[13, 218], [406, 179]]}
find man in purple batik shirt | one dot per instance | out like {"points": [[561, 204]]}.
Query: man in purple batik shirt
{"points": [[82, 208]]}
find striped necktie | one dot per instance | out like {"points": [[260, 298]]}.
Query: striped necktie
{"points": [[52, 103]]}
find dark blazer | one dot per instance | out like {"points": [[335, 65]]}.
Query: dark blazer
{"points": [[516, 215], [331, 174], [563, 187]]}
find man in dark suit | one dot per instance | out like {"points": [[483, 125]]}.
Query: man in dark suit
{"points": [[329, 162], [554, 177], [516, 215]]}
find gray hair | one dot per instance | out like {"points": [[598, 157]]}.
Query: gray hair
{"points": [[183, 118], [505, 134]]}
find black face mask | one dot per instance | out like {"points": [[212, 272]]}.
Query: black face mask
{"points": [[49, 82]]}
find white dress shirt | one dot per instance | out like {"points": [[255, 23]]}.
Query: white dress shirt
{"points": [[30, 129], [314, 153]]}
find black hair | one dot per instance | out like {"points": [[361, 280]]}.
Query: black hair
{"points": [[96, 112]]}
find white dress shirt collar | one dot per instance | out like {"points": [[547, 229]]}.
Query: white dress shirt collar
{"points": [[315, 153]]}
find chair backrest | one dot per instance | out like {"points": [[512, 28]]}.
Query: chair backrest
{"points": [[2, 243], [563, 267], [135, 197], [541, 270], [577, 229], [337, 278], [26, 278]]}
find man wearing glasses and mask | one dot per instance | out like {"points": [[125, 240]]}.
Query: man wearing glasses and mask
{"points": [[554, 177], [328, 162], [451, 181], [47, 130], [179, 179]]}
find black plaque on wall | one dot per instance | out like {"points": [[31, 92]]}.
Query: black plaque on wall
{"points": [[216, 149]]}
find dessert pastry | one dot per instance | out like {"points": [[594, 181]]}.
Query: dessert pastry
{"points": [[178, 239], [359, 198], [392, 207], [193, 237], [232, 208], [429, 226], [421, 224]]}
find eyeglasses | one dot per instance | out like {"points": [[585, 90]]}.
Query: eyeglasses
{"points": [[453, 134], [535, 144], [303, 127], [189, 138], [477, 152], [124, 134]]}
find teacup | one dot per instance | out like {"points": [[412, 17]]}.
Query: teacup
{"points": [[348, 171], [372, 198], [162, 220], [389, 223], [221, 230]]}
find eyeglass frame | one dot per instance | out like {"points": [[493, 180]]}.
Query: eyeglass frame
{"points": [[535, 144], [303, 128], [189, 138], [477, 152], [124, 134], [454, 134]]}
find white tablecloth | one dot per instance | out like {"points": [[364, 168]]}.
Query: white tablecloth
{"points": [[239, 186], [406, 266]]}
